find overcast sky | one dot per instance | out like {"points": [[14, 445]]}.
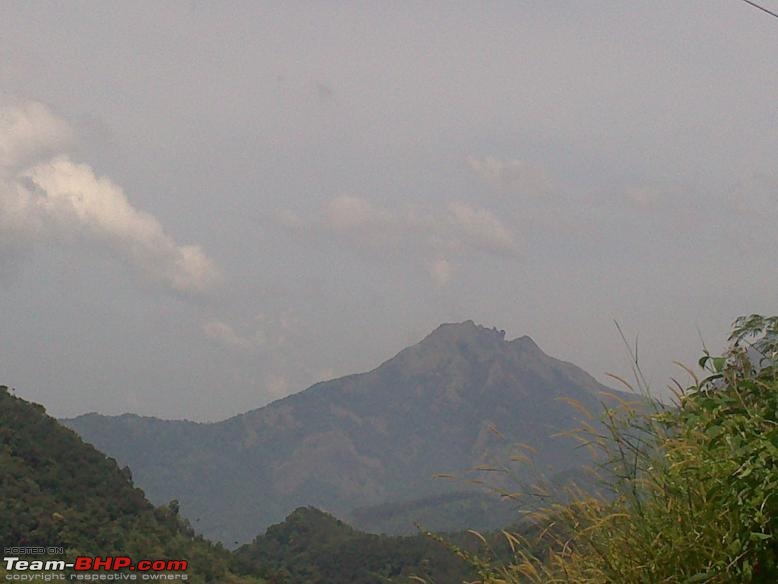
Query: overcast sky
{"points": [[205, 206]]}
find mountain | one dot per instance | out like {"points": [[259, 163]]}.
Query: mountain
{"points": [[313, 547], [462, 397], [55, 490], [445, 512]]}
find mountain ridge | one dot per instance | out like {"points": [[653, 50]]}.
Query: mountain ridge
{"points": [[363, 439], [524, 341]]}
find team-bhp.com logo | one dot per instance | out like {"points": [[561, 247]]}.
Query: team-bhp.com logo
{"points": [[95, 568]]}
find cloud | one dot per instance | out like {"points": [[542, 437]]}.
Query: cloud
{"points": [[441, 271], [346, 212], [436, 238], [223, 334], [52, 199], [27, 130], [272, 333], [512, 176], [480, 229]]}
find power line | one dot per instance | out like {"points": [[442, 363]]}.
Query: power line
{"points": [[762, 8]]}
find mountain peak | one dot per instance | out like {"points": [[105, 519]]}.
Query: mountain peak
{"points": [[310, 514], [363, 439], [467, 331], [449, 341]]}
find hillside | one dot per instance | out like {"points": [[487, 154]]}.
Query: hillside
{"points": [[446, 512], [57, 491], [462, 397], [313, 547]]}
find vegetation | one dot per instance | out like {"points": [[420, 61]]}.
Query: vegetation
{"points": [[693, 489], [57, 491], [313, 547], [688, 494]]}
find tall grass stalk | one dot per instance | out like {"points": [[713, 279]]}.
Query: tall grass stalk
{"points": [[690, 489]]}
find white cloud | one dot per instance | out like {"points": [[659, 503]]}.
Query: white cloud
{"points": [[274, 333], [479, 228], [434, 237], [57, 200], [512, 176], [347, 212]]}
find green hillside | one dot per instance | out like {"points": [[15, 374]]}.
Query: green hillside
{"points": [[55, 490], [313, 547]]}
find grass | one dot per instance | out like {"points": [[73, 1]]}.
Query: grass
{"points": [[690, 489]]}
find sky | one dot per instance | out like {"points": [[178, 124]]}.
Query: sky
{"points": [[206, 206]]}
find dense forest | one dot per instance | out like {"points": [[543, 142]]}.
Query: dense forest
{"points": [[55, 490]]}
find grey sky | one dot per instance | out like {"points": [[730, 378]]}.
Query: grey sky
{"points": [[205, 206]]}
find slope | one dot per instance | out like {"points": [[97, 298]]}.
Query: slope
{"points": [[462, 397], [313, 547], [57, 491]]}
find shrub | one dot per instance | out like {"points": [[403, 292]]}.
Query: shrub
{"points": [[692, 488]]}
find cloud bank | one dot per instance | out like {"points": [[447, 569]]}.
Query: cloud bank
{"points": [[435, 237], [47, 198]]}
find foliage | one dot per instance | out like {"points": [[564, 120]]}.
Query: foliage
{"points": [[56, 490], [313, 547], [693, 488]]}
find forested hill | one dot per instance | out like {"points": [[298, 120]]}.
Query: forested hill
{"points": [[55, 490], [313, 547]]}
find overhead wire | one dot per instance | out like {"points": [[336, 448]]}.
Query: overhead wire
{"points": [[762, 8]]}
